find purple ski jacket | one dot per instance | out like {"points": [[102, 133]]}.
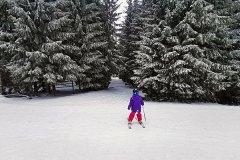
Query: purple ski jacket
{"points": [[135, 103]]}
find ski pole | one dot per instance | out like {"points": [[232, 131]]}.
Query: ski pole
{"points": [[144, 115]]}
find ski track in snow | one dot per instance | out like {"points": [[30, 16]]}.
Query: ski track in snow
{"points": [[93, 126]]}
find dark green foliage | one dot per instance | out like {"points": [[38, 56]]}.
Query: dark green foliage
{"points": [[130, 35], [60, 40], [7, 38], [185, 51]]}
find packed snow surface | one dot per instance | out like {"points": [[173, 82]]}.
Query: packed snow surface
{"points": [[93, 126]]}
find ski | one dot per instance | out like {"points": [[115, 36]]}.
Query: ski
{"points": [[129, 126], [141, 123]]}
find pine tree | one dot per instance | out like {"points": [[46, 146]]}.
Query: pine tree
{"points": [[203, 61], [124, 41], [72, 34], [110, 17], [153, 57], [229, 10], [39, 58], [64, 40], [93, 46], [129, 40], [7, 38], [235, 27], [145, 74], [231, 95], [62, 65], [184, 54]]}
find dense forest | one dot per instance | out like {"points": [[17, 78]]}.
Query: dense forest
{"points": [[44, 42], [172, 50], [183, 50]]}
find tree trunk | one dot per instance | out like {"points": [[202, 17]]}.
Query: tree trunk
{"points": [[73, 87], [1, 87], [48, 88], [79, 85], [35, 88], [54, 89]]}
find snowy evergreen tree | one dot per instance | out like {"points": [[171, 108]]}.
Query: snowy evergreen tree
{"points": [[111, 16], [184, 53], [235, 25], [202, 65], [231, 95], [95, 45], [89, 44], [70, 16], [39, 58], [130, 35], [7, 33], [149, 51], [184, 50], [154, 57], [229, 10], [63, 40], [81, 31], [124, 40], [7, 38]]}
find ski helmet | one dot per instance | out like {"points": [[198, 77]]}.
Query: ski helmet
{"points": [[135, 91]]}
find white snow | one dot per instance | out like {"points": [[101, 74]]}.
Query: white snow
{"points": [[93, 126]]}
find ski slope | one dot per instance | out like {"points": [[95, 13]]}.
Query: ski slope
{"points": [[93, 126]]}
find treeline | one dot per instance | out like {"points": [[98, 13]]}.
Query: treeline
{"points": [[44, 42], [172, 50], [183, 50]]}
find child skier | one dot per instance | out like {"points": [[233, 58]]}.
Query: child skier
{"points": [[135, 104]]}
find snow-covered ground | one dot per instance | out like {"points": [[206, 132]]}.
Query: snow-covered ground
{"points": [[93, 126]]}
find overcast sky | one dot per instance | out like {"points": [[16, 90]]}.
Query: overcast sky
{"points": [[122, 8]]}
